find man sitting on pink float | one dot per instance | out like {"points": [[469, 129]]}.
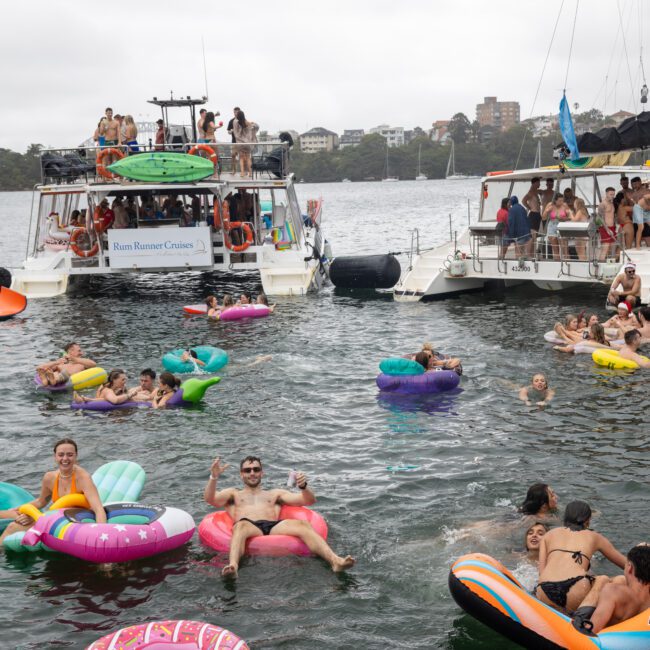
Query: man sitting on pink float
{"points": [[256, 513]]}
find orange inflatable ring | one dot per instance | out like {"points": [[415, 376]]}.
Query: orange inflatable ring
{"points": [[212, 154], [101, 168], [228, 226], [217, 212], [75, 247]]}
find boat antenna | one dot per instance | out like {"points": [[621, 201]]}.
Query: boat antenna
{"points": [[644, 89], [539, 83], [627, 58], [205, 69]]}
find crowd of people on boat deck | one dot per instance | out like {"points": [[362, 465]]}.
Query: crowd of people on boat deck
{"points": [[115, 130], [622, 219]]}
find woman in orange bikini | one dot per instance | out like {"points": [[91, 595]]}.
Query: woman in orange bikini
{"points": [[69, 478]]}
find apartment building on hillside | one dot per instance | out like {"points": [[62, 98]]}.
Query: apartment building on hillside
{"points": [[501, 115]]}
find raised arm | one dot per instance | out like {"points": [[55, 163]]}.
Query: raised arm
{"points": [[610, 552], [305, 497], [215, 498]]}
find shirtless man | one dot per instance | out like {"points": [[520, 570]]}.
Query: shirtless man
{"points": [[531, 202], [625, 187], [548, 193], [613, 601], [644, 319], [147, 388], [59, 371], [607, 230], [199, 126], [623, 320], [256, 512], [628, 351], [110, 129], [235, 111], [626, 286]]}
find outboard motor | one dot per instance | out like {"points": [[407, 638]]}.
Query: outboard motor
{"points": [[365, 272]]}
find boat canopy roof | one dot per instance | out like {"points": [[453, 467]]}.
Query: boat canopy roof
{"points": [[633, 134], [556, 172], [177, 103]]}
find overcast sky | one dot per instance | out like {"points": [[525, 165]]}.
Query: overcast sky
{"points": [[299, 64]]}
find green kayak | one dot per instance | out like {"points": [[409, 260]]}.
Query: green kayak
{"points": [[163, 167]]}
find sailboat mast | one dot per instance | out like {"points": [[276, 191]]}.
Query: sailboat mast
{"points": [[451, 164]]}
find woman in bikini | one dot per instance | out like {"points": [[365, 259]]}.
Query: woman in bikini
{"points": [[595, 339], [538, 392], [623, 206], [113, 391], [69, 478], [167, 386], [553, 214], [569, 331], [565, 559], [580, 214]]}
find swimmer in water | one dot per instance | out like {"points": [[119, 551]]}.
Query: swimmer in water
{"points": [[190, 355], [213, 307], [538, 392], [263, 300], [540, 501], [533, 539], [569, 331], [595, 339]]}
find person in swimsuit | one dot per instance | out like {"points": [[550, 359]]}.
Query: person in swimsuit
{"points": [[533, 540], [212, 304], [615, 600], [256, 512], [624, 320], [555, 212], [432, 361], [581, 214], [540, 501], [113, 391], [569, 331], [565, 558], [623, 206], [168, 384], [69, 478], [58, 372], [626, 286], [538, 392], [190, 355], [595, 338]]}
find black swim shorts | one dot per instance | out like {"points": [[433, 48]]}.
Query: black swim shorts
{"points": [[263, 524]]}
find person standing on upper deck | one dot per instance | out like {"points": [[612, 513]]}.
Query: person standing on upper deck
{"points": [[531, 202], [245, 132], [232, 135], [548, 193], [160, 135], [199, 126], [110, 129]]}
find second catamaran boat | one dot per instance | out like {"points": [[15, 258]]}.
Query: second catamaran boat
{"points": [[87, 220]]}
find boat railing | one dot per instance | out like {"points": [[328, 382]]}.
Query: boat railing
{"points": [[415, 246], [578, 248], [86, 164]]}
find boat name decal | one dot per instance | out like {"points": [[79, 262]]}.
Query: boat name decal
{"points": [[516, 267], [157, 246]]}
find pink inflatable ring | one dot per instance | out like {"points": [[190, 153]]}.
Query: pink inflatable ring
{"points": [[216, 532], [244, 311], [181, 635]]}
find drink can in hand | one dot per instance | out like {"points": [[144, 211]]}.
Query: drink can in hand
{"points": [[291, 480]]}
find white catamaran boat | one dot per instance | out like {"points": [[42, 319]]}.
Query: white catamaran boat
{"points": [[170, 223], [479, 257]]}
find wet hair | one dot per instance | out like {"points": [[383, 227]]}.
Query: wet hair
{"points": [[227, 300], [537, 523], [209, 300], [422, 358], [250, 459], [645, 312], [170, 380], [597, 332], [65, 441], [639, 558], [193, 354], [568, 318], [631, 335], [541, 374], [577, 515], [263, 300], [67, 346], [113, 375], [148, 372], [504, 203], [536, 499], [241, 118]]}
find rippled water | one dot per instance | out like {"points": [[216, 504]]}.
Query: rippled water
{"points": [[315, 407]]}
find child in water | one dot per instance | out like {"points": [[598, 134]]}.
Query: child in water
{"points": [[538, 392]]}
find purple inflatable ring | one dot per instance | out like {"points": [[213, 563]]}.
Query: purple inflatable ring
{"points": [[437, 381]]}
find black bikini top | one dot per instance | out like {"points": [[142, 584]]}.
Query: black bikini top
{"points": [[576, 555]]}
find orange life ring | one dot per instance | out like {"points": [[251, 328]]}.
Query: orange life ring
{"points": [[217, 213], [75, 247], [212, 153], [247, 231], [101, 168]]}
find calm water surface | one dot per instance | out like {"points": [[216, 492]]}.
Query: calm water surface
{"points": [[315, 407]]}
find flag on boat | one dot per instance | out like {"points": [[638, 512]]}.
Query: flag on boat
{"points": [[566, 128]]}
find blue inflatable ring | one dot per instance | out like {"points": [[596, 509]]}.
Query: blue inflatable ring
{"points": [[214, 359]]}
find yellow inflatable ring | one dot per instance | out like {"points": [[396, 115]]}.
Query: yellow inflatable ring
{"points": [[70, 501], [612, 360], [30, 510]]}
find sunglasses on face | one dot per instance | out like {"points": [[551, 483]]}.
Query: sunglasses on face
{"points": [[631, 272], [249, 470]]}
